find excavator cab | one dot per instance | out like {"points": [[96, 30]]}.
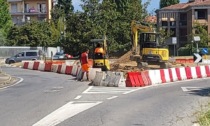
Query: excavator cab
{"points": [[146, 49], [100, 59]]}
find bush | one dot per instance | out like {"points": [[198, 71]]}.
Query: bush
{"points": [[184, 51]]}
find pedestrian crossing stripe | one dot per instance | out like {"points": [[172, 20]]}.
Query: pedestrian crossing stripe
{"points": [[108, 90]]}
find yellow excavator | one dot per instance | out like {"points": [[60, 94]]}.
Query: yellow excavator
{"points": [[146, 49], [100, 60]]}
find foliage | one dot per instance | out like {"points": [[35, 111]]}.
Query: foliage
{"points": [[5, 20], [105, 18], [202, 31], [31, 34], [63, 8], [165, 3]]}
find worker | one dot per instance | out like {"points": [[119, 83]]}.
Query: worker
{"points": [[99, 51], [84, 63]]}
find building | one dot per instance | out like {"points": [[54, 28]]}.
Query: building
{"points": [[181, 17], [25, 10]]}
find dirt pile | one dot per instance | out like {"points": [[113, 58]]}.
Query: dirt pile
{"points": [[124, 58]]}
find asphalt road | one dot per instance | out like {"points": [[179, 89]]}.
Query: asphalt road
{"points": [[36, 96], [48, 99]]}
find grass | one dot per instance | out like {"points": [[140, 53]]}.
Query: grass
{"points": [[204, 118]]}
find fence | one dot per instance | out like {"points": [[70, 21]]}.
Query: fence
{"points": [[8, 51]]}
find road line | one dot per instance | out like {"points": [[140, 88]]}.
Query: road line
{"points": [[78, 97], [112, 97], [88, 89], [67, 111], [21, 79]]}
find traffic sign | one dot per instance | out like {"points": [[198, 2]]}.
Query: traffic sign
{"points": [[205, 50], [174, 40], [197, 58]]}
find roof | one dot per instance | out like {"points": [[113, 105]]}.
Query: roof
{"points": [[185, 5]]}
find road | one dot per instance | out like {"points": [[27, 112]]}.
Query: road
{"points": [[44, 99]]}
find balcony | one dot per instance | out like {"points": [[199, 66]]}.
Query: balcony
{"points": [[35, 12]]}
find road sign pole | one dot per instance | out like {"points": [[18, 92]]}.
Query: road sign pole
{"points": [[197, 47], [174, 50]]}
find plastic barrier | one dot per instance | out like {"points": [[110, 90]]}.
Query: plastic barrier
{"points": [[203, 71], [59, 68], [70, 62], [113, 79], [188, 72], [167, 75], [152, 76], [100, 76], [74, 70], [207, 71], [178, 73], [198, 71], [182, 73], [92, 72], [41, 66], [36, 65], [31, 65], [25, 65], [68, 70], [134, 79], [146, 78], [162, 75], [173, 74], [63, 68], [193, 72], [48, 67], [54, 68]]}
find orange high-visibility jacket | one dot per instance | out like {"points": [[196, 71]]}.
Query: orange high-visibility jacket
{"points": [[99, 50]]}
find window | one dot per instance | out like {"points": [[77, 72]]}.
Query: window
{"points": [[41, 8], [13, 7], [164, 23], [26, 7], [172, 23], [201, 14], [183, 17], [31, 54]]}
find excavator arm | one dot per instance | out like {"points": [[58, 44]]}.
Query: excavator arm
{"points": [[135, 27]]}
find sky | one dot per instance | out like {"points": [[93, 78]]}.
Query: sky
{"points": [[154, 4]]}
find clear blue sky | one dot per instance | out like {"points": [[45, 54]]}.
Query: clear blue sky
{"points": [[154, 4]]}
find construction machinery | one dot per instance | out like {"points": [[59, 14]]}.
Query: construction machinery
{"points": [[100, 60], [146, 49]]}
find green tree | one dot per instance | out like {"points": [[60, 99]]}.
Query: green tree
{"points": [[5, 20], [31, 34], [202, 31], [165, 3]]}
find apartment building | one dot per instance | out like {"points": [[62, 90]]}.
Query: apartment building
{"points": [[26, 10], [181, 17]]}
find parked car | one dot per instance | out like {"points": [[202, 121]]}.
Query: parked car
{"points": [[25, 55], [61, 55]]}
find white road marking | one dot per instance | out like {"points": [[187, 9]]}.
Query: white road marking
{"points": [[191, 88], [108, 90], [78, 97], [21, 79], [88, 89], [112, 97], [67, 111]]}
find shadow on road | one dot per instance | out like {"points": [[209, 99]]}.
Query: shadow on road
{"points": [[201, 92]]}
